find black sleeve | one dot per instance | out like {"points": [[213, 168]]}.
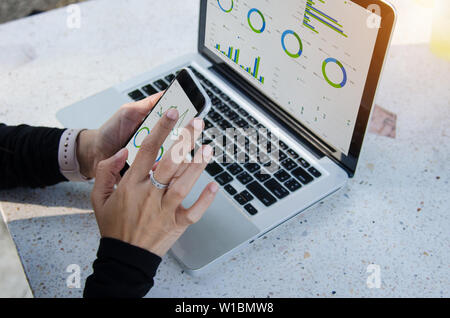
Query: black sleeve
{"points": [[121, 270], [29, 156]]}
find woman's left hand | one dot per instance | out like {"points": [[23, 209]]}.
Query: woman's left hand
{"points": [[97, 145]]}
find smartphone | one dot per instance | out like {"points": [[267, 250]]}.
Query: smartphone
{"points": [[184, 94]]}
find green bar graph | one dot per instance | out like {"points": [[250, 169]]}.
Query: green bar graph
{"points": [[253, 72]]}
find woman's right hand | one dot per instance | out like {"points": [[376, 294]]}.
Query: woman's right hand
{"points": [[133, 210]]}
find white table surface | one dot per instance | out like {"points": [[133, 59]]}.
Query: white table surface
{"points": [[394, 213]]}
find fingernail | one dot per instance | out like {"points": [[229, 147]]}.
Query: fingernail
{"points": [[214, 188], [197, 124], [120, 153], [207, 152], [172, 114]]}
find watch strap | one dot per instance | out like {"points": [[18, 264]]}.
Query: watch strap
{"points": [[67, 156]]}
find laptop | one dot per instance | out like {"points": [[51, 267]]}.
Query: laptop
{"points": [[303, 72]]}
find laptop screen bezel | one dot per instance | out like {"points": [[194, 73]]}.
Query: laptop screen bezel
{"points": [[348, 162]]}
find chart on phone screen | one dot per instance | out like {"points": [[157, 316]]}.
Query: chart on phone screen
{"points": [[310, 57], [175, 98]]}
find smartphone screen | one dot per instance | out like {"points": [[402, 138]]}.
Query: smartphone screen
{"points": [[175, 97]]}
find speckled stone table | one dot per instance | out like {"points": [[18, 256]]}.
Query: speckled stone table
{"points": [[394, 213]]}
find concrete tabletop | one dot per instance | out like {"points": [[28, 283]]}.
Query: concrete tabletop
{"points": [[393, 216]]}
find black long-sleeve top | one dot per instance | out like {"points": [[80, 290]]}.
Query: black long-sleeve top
{"points": [[29, 158]]}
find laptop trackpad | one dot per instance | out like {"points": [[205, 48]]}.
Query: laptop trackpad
{"points": [[222, 228]]}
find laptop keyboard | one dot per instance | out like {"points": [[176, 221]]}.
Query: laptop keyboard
{"points": [[266, 177]]}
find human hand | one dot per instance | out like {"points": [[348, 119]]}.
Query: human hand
{"points": [[136, 211], [97, 145]]}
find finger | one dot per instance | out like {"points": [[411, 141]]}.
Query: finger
{"points": [[144, 106], [146, 156], [107, 176], [186, 217], [121, 126], [177, 154], [183, 185], [181, 169]]}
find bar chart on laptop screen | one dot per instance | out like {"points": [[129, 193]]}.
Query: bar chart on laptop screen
{"points": [[310, 57]]}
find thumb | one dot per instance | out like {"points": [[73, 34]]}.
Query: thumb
{"points": [[107, 176]]}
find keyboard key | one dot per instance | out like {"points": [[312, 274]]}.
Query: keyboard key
{"points": [[266, 146], [292, 185], [233, 104], [214, 169], [262, 176], [247, 195], [289, 164], [216, 90], [276, 188], [136, 95], [206, 141], [244, 178], [252, 167], [272, 167], [230, 189], [293, 154], [224, 178], [223, 108], [215, 101], [304, 163], [161, 85], [283, 145], [282, 175], [231, 115], [224, 97], [207, 83], [235, 169], [243, 112], [215, 117], [149, 90], [240, 199], [251, 209], [199, 76], [314, 172], [261, 194], [208, 124], [302, 175], [170, 78], [263, 158], [279, 155], [252, 120], [224, 124], [241, 123]]}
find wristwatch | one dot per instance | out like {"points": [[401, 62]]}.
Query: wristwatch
{"points": [[67, 156]]}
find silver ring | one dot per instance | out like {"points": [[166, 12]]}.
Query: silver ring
{"points": [[156, 183]]}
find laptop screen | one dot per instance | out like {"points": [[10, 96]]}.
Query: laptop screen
{"points": [[311, 58]]}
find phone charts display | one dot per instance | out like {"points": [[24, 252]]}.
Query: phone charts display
{"points": [[174, 98]]}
